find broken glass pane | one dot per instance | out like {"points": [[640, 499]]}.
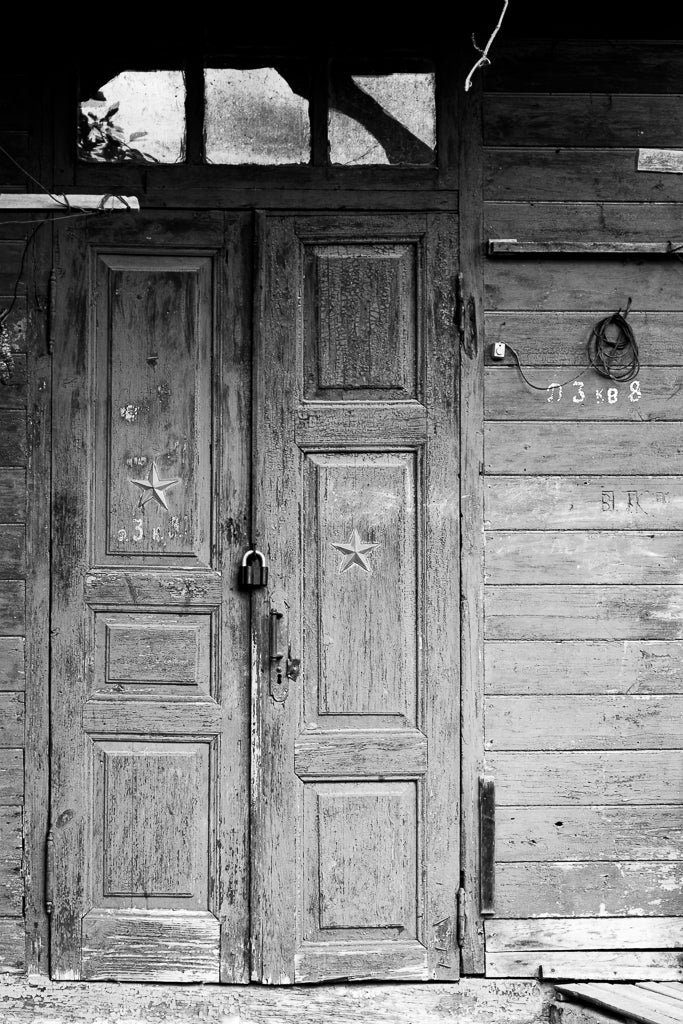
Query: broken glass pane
{"points": [[137, 117], [256, 116], [387, 118]]}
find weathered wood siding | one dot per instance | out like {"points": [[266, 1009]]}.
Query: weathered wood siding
{"points": [[13, 457], [583, 493], [20, 557]]}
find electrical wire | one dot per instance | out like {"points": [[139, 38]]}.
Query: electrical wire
{"points": [[614, 358], [618, 358]]}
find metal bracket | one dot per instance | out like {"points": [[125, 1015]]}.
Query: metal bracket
{"points": [[487, 846]]}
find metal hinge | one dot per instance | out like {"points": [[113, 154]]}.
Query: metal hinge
{"points": [[461, 916], [49, 871], [460, 305]]}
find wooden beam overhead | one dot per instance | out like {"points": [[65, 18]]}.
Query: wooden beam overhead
{"points": [[48, 201]]}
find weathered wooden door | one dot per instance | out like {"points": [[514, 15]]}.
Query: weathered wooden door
{"points": [[355, 819], [150, 686], [343, 816]]}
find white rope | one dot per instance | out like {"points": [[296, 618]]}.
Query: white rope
{"points": [[483, 60]]}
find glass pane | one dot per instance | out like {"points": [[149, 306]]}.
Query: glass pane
{"points": [[254, 116], [382, 118], [137, 117]]}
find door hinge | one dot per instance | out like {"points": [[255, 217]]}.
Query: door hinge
{"points": [[49, 871], [461, 917], [460, 305], [51, 311]]}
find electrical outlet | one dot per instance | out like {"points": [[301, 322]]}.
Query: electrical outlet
{"points": [[498, 350]]}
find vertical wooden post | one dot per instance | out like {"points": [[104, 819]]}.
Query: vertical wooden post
{"points": [[471, 511]]}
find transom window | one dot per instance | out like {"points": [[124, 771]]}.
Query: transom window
{"points": [[376, 113]]}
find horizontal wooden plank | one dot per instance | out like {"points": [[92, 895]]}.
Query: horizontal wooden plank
{"points": [[358, 961], [647, 999], [386, 752], [76, 201], [587, 777], [583, 556], [11, 777], [585, 395], [638, 722], [590, 889], [135, 945], [348, 424], [12, 946], [584, 612], [561, 246], [174, 587], [582, 175], [585, 65], [191, 716], [12, 495], [671, 991], [613, 966], [594, 222], [13, 439], [574, 934], [469, 1000], [566, 283], [583, 666], [579, 448], [582, 119], [670, 161], [12, 552], [555, 833], [12, 608], [11, 882], [627, 1001], [583, 503], [11, 720], [555, 338]]}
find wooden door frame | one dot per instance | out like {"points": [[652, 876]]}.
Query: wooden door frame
{"points": [[461, 138]]}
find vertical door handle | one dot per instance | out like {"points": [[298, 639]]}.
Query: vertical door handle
{"points": [[283, 667]]}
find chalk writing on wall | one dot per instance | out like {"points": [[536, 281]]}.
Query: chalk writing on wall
{"points": [[578, 394]]}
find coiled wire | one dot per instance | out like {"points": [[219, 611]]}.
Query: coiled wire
{"points": [[614, 357]]}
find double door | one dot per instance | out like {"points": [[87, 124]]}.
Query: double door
{"points": [[255, 784]]}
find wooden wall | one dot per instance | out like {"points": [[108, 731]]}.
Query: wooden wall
{"points": [[13, 457], [23, 542], [583, 511]]}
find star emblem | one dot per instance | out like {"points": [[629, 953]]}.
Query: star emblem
{"points": [[153, 488], [354, 553]]}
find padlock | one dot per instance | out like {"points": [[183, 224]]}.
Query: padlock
{"points": [[253, 571]]}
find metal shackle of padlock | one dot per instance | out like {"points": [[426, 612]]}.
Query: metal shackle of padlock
{"points": [[253, 571]]}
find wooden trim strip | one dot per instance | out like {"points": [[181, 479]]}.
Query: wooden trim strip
{"points": [[513, 247]]}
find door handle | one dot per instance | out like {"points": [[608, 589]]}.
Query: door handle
{"points": [[283, 667]]}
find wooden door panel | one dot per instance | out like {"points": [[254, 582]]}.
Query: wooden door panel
{"points": [[360, 561], [356, 502], [150, 666], [153, 426]]}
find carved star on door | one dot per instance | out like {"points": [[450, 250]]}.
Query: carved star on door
{"points": [[354, 551], [153, 488]]}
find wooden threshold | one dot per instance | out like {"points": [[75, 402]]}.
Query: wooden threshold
{"points": [[470, 1001]]}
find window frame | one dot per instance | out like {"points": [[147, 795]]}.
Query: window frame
{"points": [[194, 177]]}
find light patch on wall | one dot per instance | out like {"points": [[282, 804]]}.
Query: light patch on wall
{"points": [[136, 117], [253, 116]]}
